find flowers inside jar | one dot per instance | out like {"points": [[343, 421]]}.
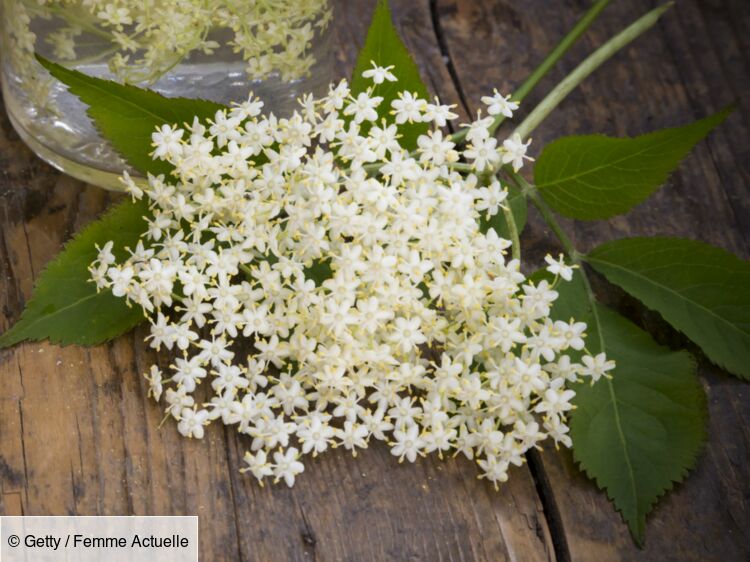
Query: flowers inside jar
{"points": [[215, 50]]}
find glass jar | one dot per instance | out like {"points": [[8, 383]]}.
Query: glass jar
{"points": [[221, 50]]}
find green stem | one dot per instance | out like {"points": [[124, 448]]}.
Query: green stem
{"points": [[95, 58], [589, 65], [532, 193], [567, 42], [461, 167], [594, 310], [552, 59], [513, 230], [547, 64], [549, 217], [555, 55], [375, 167]]}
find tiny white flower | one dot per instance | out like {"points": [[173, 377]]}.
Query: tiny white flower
{"points": [[192, 421], [408, 108], [408, 444], [597, 366], [363, 108], [559, 267], [155, 380], [514, 151], [495, 470], [490, 198], [167, 142], [257, 465], [407, 333], [484, 154], [287, 467], [500, 105], [379, 74]]}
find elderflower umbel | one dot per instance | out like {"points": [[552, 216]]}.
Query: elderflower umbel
{"points": [[321, 286]]}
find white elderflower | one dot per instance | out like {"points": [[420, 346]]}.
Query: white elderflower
{"points": [[407, 334], [559, 267], [192, 421], [436, 149], [596, 366], [155, 380], [121, 279], [484, 154], [321, 286], [556, 399], [315, 436], [438, 114], [490, 198], [379, 74], [130, 186], [408, 108], [498, 104], [352, 436], [514, 151], [178, 400], [495, 470], [408, 444], [363, 108], [287, 467], [572, 333], [257, 465], [167, 142]]}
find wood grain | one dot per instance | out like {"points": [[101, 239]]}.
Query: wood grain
{"points": [[79, 436]]}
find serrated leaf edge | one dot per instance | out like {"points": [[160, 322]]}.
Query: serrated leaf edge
{"points": [[6, 341], [719, 116], [716, 360], [638, 533], [59, 72]]}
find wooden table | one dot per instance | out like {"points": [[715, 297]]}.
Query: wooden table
{"points": [[79, 436]]}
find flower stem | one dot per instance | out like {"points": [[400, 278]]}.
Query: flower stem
{"points": [[532, 193], [550, 219], [513, 230], [589, 65], [575, 256], [557, 53], [550, 61]]}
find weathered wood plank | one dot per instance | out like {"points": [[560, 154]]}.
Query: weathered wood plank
{"points": [[693, 63]]}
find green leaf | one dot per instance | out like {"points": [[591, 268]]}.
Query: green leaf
{"points": [[127, 116], [701, 290], [640, 431], [596, 177], [384, 47], [319, 272], [65, 307], [573, 300], [518, 207]]}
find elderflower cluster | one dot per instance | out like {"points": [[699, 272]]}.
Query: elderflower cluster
{"points": [[320, 286], [144, 39]]}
